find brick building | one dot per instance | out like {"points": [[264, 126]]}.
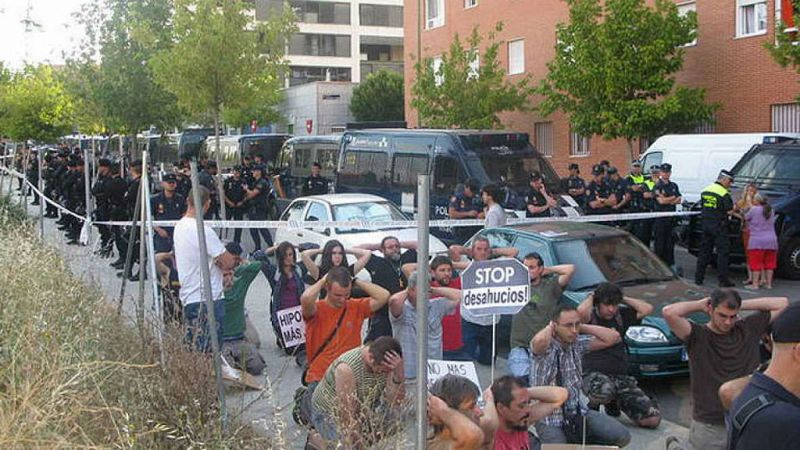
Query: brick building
{"points": [[728, 59]]}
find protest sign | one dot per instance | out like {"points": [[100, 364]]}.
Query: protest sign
{"points": [[497, 286], [293, 328], [438, 368]]}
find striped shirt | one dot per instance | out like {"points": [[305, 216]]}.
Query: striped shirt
{"points": [[370, 386]]}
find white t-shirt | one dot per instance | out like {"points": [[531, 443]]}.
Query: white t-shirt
{"points": [[188, 259], [496, 216]]}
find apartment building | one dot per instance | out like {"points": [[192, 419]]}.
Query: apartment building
{"points": [[341, 40], [728, 59]]}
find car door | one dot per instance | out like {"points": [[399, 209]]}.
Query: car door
{"points": [[317, 211], [293, 213]]}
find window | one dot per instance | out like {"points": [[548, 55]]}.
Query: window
{"points": [[578, 145], [447, 173], [516, 57], [405, 169], [319, 45], [301, 75], [363, 169], [684, 9], [474, 65], [652, 159], [381, 15], [543, 139], [321, 12], [438, 75], [470, 3], [498, 238], [528, 245], [786, 118], [751, 17], [434, 13], [294, 211], [317, 212]]}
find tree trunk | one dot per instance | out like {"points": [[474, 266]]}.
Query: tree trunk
{"points": [[630, 150], [220, 187]]}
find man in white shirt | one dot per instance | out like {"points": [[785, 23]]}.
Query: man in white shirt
{"points": [[495, 215], [188, 260]]}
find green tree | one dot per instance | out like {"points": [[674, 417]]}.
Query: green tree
{"points": [[462, 94], [786, 50], [614, 71], [36, 106], [379, 97], [221, 62]]}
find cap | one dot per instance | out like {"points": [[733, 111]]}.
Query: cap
{"points": [[233, 247], [655, 168], [574, 166], [104, 162], [612, 170], [726, 174], [636, 163], [74, 161], [211, 163], [257, 167], [666, 167], [597, 170], [535, 176], [169, 178], [785, 328]]}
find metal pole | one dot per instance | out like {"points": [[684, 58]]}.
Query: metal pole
{"points": [[24, 194], [206, 276], [218, 176], [87, 180], [41, 197], [151, 266], [129, 252], [142, 248], [4, 162], [423, 281]]}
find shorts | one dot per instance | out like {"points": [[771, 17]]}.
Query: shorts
{"points": [[760, 259], [603, 389]]}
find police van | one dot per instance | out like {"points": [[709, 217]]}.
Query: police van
{"points": [[387, 162], [296, 157], [233, 148]]}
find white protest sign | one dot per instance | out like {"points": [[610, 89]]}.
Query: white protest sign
{"points": [[497, 286], [293, 328], [438, 368]]}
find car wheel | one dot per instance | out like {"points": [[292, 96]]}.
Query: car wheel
{"points": [[789, 259]]}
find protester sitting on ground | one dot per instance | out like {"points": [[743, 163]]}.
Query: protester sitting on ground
{"points": [[333, 324], [456, 419], [385, 270], [766, 413], [333, 255], [189, 262], [243, 353], [557, 352], [519, 407], [605, 372], [762, 243], [723, 349], [286, 285], [356, 386], [403, 313], [477, 330], [547, 283]]}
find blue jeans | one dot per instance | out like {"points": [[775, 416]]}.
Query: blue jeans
{"points": [[195, 319], [477, 341], [519, 364], [600, 430]]}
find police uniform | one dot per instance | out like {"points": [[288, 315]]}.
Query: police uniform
{"points": [[643, 229], [76, 201], [716, 203], [116, 188], [52, 168], [102, 211], [462, 203], [258, 207], [315, 185], [595, 190], [574, 182], [235, 193], [534, 197], [166, 208], [662, 227]]}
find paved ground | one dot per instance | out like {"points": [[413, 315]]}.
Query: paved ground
{"points": [[270, 410]]}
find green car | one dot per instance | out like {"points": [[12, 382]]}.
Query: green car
{"points": [[601, 253]]}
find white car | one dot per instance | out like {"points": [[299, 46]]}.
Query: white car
{"points": [[347, 207]]}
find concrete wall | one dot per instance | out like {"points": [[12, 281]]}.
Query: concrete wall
{"points": [[326, 104]]}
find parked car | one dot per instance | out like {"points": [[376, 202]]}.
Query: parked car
{"points": [[602, 254], [347, 207], [775, 170]]}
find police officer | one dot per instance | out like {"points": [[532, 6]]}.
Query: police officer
{"points": [[116, 188], [599, 197], [574, 185], [102, 211], [183, 183], [207, 178], [717, 206], [466, 205], [667, 197], [52, 167], [129, 204], [166, 205], [76, 200], [235, 192], [315, 184], [33, 173], [643, 229], [619, 186], [635, 188], [257, 195], [537, 202]]}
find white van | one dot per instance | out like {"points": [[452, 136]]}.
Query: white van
{"points": [[697, 158]]}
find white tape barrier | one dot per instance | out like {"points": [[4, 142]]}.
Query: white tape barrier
{"points": [[372, 225]]}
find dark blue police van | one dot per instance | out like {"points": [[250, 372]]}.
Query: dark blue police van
{"points": [[774, 168], [386, 163]]}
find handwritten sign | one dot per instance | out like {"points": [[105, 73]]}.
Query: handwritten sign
{"points": [[438, 368], [293, 328]]}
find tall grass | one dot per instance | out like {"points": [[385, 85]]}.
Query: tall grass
{"points": [[73, 374]]}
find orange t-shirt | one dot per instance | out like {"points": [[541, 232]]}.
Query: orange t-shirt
{"points": [[322, 324]]}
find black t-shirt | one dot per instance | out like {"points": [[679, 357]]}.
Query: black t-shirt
{"points": [[612, 360], [535, 198], [594, 191], [258, 204], [668, 189], [774, 427]]}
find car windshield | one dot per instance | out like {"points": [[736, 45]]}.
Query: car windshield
{"points": [[508, 157], [267, 147], [367, 212], [769, 167], [617, 259]]}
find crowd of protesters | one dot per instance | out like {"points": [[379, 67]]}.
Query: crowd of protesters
{"points": [[568, 371]]}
